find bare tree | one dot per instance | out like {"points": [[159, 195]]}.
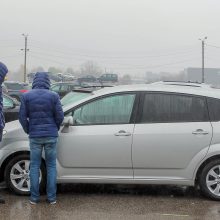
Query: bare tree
{"points": [[90, 68], [70, 70], [37, 69], [53, 69]]}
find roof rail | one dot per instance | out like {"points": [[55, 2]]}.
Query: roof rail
{"points": [[183, 83], [173, 81]]}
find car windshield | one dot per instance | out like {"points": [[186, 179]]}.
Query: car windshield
{"points": [[73, 97]]}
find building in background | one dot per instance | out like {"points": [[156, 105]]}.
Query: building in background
{"points": [[212, 75]]}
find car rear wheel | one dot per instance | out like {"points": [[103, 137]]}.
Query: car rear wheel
{"points": [[17, 175], [210, 180]]}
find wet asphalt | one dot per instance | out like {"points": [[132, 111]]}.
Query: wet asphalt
{"points": [[85, 201]]}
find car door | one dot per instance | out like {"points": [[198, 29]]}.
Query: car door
{"points": [[99, 144], [172, 130]]}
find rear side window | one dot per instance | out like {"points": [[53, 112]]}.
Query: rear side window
{"points": [[165, 108], [214, 109], [14, 86]]}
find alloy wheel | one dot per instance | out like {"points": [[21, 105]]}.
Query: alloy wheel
{"points": [[19, 175], [213, 180]]}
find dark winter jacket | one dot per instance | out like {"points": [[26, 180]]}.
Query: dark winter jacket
{"points": [[3, 72], [41, 112]]}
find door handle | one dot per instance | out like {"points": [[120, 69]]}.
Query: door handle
{"points": [[200, 131], [122, 133]]}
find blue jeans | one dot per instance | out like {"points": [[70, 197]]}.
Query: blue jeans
{"points": [[36, 147]]}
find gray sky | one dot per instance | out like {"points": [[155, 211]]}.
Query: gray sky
{"points": [[125, 36]]}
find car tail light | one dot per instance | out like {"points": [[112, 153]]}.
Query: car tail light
{"points": [[23, 90]]}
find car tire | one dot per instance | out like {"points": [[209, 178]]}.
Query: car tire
{"points": [[17, 175], [209, 180]]}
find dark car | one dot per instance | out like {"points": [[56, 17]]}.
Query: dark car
{"points": [[16, 89], [87, 79], [108, 77], [11, 108], [62, 88]]}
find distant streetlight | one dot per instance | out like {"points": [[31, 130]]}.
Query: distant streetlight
{"points": [[203, 57]]}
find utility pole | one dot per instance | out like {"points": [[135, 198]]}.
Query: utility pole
{"points": [[25, 55], [203, 58]]}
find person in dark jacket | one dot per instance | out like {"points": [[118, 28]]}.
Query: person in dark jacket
{"points": [[3, 72], [41, 116]]}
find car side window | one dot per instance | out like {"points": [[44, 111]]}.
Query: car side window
{"points": [[214, 109], [14, 86], [168, 108], [7, 103], [115, 109]]}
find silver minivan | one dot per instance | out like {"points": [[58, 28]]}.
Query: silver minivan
{"points": [[161, 133]]}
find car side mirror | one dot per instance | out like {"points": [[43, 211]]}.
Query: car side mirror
{"points": [[67, 122]]}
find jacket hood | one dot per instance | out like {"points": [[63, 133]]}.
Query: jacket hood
{"points": [[3, 72], [41, 81]]}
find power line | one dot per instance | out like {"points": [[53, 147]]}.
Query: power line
{"points": [[80, 49], [51, 60], [117, 57], [209, 45], [6, 46], [117, 64], [162, 65], [11, 56]]}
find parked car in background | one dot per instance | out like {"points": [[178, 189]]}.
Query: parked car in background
{"points": [[87, 79], [54, 77], [16, 89], [65, 77], [62, 88], [108, 77], [166, 133], [10, 108]]}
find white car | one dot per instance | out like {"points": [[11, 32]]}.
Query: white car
{"points": [[162, 133]]}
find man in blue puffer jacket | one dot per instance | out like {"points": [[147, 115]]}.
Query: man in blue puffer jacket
{"points": [[3, 72], [41, 115]]}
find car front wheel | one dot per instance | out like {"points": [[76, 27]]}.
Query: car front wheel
{"points": [[210, 180], [17, 175]]}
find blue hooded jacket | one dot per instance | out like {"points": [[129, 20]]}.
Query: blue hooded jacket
{"points": [[3, 72], [41, 112]]}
